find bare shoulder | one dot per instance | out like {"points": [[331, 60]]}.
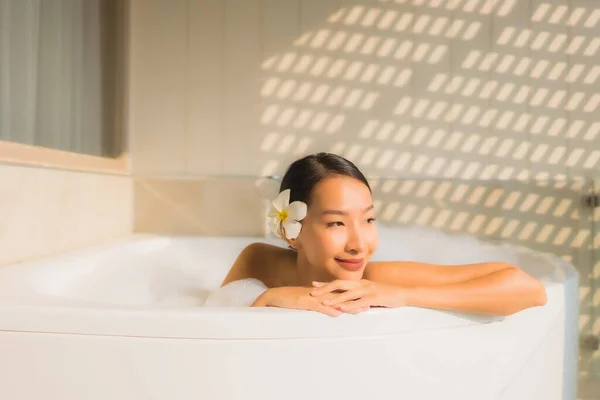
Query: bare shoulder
{"points": [[265, 262], [405, 273], [377, 270]]}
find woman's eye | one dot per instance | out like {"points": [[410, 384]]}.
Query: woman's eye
{"points": [[335, 223], [371, 220]]}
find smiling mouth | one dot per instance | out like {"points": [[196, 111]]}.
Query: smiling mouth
{"points": [[353, 264]]}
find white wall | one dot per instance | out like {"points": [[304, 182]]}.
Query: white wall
{"points": [[473, 89]]}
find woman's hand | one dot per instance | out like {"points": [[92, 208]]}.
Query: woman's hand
{"points": [[357, 296], [294, 297]]}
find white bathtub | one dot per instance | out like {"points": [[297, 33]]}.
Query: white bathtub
{"points": [[123, 322]]}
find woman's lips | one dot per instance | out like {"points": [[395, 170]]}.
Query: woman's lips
{"points": [[350, 264]]}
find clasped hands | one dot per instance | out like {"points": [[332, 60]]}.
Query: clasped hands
{"points": [[353, 297], [334, 298]]}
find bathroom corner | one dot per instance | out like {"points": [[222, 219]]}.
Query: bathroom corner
{"points": [[47, 211]]}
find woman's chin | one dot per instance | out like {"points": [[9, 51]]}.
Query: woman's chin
{"points": [[350, 275]]}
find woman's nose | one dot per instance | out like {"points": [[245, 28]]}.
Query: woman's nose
{"points": [[355, 244]]}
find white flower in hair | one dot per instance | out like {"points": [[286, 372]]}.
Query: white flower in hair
{"points": [[287, 216]]}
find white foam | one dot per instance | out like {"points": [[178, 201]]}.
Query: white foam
{"points": [[240, 293], [187, 271]]}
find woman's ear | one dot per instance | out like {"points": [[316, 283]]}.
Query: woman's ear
{"points": [[292, 243]]}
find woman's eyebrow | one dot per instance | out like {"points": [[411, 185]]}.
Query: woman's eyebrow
{"points": [[340, 212]]}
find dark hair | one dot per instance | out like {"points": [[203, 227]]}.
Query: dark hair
{"points": [[303, 175]]}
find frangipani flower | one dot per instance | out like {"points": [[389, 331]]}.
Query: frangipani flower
{"points": [[286, 215]]}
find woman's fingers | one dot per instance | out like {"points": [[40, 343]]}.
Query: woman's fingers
{"points": [[349, 306], [358, 310], [323, 288], [326, 297], [344, 297], [332, 312], [331, 286]]}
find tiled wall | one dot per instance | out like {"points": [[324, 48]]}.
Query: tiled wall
{"points": [[463, 89], [210, 207], [467, 105], [47, 211]]}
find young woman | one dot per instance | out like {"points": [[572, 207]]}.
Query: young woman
{"points": [[325, 214]]}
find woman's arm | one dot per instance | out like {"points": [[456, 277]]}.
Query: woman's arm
{"points": [[470, 288], [504, 292], [294, 298], [412, 273]]}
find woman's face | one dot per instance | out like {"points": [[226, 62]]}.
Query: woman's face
{"points": [[338, 234]]}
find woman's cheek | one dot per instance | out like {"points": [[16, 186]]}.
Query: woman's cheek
{"points": [[335, 239], [374, 237]]}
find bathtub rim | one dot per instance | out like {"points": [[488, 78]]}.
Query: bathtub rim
{"points": [[245, 323], [71, 316]]}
